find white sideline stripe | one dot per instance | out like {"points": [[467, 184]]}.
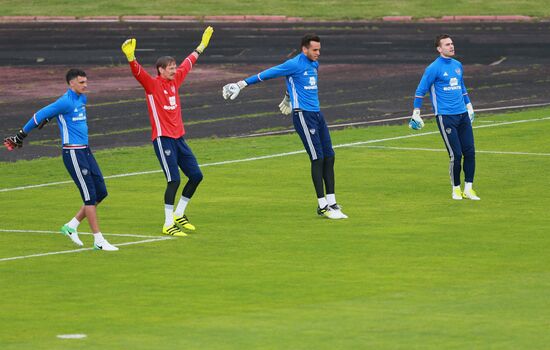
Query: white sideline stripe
{"points": [[82, 249], [80, 233], [280, 154], [268, 133], [443, 150]]}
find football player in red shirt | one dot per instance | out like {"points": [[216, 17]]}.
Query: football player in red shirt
{"points": [[163, 103]]}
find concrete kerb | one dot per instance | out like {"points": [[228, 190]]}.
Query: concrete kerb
{"points": [[262, 18], [243, 18]]}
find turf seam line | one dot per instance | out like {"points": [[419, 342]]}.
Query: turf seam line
{"points": [[82, 249], [278, 154], [444, 150], [287, 131], [80, 233]]}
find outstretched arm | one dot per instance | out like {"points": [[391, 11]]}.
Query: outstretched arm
{"points": [[190, 60], [39, 119], [128, 48], [231, 91]]}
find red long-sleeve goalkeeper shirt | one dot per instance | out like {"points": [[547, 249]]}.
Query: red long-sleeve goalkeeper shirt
{"points": [[163, 100]]}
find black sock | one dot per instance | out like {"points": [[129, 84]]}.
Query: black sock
{"points": [[170, 193], [317, 177], [328, 174]]}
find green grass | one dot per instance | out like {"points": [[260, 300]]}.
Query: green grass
{"points": [[318, 9], [409, 269]]}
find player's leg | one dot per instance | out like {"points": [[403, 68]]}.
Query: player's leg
{"points": [[306, 126], [81, 166], [100, 188], [466, 136], [328, 167], [190, 167], [167, 155], [448, 129]]}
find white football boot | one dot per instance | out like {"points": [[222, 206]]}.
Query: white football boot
{"points": [[105, 246], [457, 195], [471, 194], [72, 234], [338, 211]]}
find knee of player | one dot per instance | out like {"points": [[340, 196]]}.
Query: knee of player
{"points": [[173, 184], [101, 196], [469, 152], [196, 176]]}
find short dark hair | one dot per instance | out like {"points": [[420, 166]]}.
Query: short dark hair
{"points": [[309, 38], [440, 37], [73, 73], [163, 62]]}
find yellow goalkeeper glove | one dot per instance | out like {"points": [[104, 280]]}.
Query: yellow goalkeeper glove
{"points": [[205, 39], [129, 47]]}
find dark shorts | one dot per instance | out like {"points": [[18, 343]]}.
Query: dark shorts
{"points": [[174, 153], [313, 131], [83, 168]]}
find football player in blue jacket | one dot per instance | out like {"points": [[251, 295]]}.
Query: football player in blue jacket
{"points": [[302, 99], [444, 79], [70, 112]]}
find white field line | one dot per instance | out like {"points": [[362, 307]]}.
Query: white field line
{"points": [[278, 132], [281, 154], [80, 233], [444, 150], [83, 249]]}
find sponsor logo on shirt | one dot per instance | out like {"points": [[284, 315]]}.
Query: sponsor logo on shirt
{"points": [[173, 105], [312, 84], [453, 85]]}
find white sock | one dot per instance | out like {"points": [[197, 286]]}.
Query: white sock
{"points": [[467, 186], [73, 223], [168, 215], [180, 209], [98, 237], [456, 187], [322, 202], [331, 199]]}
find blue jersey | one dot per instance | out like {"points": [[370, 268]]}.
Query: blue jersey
{"points": [[301, 81], [70, 111], [444, 79]]}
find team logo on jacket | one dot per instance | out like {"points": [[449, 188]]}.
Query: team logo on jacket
{"points": [[312, 131], [173, 89], [84, 171], [167, 152], [448, 131], [458, 71]]}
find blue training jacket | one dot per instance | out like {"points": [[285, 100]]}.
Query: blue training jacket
{"points": [[444, 79], [70, 111], [301, 81]]}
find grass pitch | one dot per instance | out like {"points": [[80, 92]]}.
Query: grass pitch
{"points": [[313, 9], [409, 269]]}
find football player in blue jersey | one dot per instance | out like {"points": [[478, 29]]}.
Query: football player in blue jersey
{"points": [[302, 98], [444, 79], [70, 112]]}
